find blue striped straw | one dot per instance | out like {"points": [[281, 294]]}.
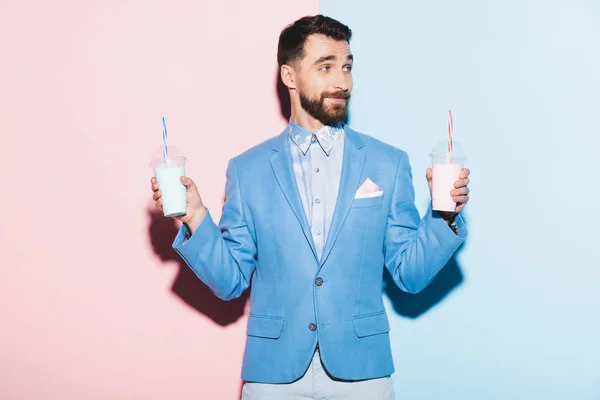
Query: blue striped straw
{"points": [[165, 153]]}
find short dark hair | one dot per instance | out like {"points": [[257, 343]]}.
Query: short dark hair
{"points": [[293, 37]]}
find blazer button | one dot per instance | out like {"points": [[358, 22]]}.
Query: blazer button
{"points": [[312, 327], [319, 281]]}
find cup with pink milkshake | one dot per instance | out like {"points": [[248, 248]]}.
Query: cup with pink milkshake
{"points": [[446, 166]]}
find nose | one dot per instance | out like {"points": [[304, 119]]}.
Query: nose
{"points": [[341, 81]]}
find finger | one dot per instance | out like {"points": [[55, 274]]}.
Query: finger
{"points": [[157, 195], [461, 182], [428, 173], [159, 204], [465, 173], [155, 187], [460, 199], [153, 180], [460, 192]]}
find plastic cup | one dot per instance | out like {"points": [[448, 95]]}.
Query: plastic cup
{"points": [[446, 170], [168, 172]]}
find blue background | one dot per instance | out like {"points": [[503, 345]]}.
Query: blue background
{"points": [[516, 314]]}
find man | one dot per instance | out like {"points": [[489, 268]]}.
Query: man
{"points": [[311, 217]]}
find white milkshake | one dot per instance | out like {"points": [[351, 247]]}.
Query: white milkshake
{"points": [[173, 191], [168, 172]]}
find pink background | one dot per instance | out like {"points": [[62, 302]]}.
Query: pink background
{"points": [[94, 304]]}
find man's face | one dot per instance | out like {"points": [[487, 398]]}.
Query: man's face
{"points": [[324, 78]]}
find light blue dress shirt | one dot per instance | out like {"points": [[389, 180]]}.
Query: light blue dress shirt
{"points": [[317, 164]]}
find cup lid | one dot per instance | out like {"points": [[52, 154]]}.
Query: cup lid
{"points": [[173, 154], [441, 150]]}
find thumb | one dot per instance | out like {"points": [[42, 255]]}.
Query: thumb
{"points": [[188, 183]]}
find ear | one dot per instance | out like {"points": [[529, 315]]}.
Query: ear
{"points": [[288, 76]]}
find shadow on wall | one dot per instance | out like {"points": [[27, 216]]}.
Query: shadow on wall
{"points": [[187, 286], [415, 305]]}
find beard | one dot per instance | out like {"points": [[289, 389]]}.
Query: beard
{"points": [[327, 115]]}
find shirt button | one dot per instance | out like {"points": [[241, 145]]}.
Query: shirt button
{"points": [[314, 139], [318, 233], [317, 169], [312, 327], [317, 201], [319, 281]]}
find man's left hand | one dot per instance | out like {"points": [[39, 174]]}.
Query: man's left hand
{"points": [[460, 193]]}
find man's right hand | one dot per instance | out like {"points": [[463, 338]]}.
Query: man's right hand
{"points": [[195, 208]]}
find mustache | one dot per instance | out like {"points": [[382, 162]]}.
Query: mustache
{"points": [[336, 95]]}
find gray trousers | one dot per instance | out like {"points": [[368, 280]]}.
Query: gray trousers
{"points": [[316, 384]]}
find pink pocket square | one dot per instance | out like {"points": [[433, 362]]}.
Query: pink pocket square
{"points": [[368, 189]]}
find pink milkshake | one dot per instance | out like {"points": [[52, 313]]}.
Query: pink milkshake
{"points": [[446, 168]]}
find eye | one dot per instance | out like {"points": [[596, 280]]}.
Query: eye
{"points": [[347, 68], [325, 68]]}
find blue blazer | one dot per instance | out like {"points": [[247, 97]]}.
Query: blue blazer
{"points": [[298, 300]]}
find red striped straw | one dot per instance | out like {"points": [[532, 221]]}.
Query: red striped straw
{"points": [[450, 127]]}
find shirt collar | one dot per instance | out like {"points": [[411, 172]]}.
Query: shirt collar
{"points": [[326, 136]]}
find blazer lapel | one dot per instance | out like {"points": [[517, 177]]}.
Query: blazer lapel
{"points": [[352, 166], [281, 163]]}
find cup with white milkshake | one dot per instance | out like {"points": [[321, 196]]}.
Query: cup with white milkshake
{"points": [[169, 166]]}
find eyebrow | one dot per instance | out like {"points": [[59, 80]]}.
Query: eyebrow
{"points": [[331, 58]]}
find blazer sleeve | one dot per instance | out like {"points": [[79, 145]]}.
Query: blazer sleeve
{"points": [[416, 249], [224, 256]]}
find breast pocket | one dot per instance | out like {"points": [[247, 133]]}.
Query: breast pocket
{"points": [[368, 202]]}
